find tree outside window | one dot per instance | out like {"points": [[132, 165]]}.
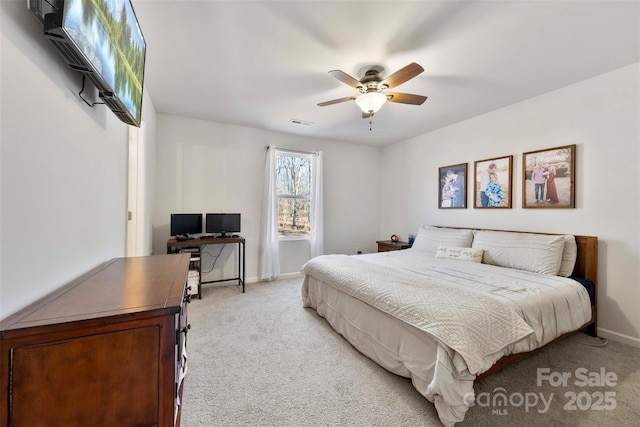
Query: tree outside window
{"points": [[293, 188]]}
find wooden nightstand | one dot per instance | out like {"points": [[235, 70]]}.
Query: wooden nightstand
{"points": [[388, 245]]}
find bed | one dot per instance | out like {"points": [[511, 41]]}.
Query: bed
{"points": [[459, 305]]}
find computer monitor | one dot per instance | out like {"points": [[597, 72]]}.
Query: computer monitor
{"points": [[185, 224], [223, 223]]}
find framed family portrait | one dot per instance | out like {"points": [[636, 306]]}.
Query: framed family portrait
{"points": [[452, 189], [549, 178], [492, 182]]}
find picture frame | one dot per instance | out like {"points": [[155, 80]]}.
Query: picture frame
{"points": [[452, 186], [548, 178], [493, 180]]}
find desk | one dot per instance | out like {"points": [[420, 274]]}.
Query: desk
{"points": [[175, 245]]}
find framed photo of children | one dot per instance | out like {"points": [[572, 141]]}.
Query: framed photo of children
{"points": [[492, 183], [548, 179], [452, 189]]}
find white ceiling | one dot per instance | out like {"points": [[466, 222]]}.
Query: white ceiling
{"points": [[262, 63]]}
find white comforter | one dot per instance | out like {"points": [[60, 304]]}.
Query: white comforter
{"points": [[456, 303]]}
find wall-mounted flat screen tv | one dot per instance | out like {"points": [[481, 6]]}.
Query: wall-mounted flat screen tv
{"points": [[102, 39], [222, 223], [186, 224]]}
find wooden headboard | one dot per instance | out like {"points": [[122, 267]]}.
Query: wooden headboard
{"points": [[587, 268], [587, 261]]}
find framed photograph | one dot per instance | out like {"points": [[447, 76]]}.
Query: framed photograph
{"points": [[492, 183], [548, 178], [452, 189]]}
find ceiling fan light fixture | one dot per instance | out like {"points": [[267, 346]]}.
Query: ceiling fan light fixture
{"points": [[371, 102]]}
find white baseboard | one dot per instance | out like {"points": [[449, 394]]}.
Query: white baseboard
{"points": [[615, 336], [256, 279], [290, 275]]}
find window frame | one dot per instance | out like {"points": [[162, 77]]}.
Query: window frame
{"points": [[309, 157]]}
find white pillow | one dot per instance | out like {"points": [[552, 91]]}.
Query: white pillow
{"points": [[429, 239], [460, 254], [538, 253], [569, 256]]}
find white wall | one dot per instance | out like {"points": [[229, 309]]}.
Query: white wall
{"points": [[212, 167], [602, 117], [63, 168]]}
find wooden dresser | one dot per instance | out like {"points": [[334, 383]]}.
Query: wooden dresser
{"points": [[108, 349]]}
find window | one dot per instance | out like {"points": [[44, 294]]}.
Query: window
{"points": [[293, 194]]}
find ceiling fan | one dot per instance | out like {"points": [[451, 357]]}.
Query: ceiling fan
{"points": [[372, 89]]}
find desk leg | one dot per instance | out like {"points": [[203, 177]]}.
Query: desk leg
{"points": [[241, 265], [243, 269]]}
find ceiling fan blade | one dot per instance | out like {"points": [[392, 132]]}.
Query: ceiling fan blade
{"points": [[336, 101], [346, 78], [406, 98], [402, 75]]}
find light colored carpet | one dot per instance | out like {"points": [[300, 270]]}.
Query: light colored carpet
{"points": [[260, 359]]}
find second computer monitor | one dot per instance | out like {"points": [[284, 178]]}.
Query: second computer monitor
{"points": [[223, 223]]}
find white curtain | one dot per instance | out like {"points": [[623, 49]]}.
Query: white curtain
{"points": [[269, 253], [317, 229]]}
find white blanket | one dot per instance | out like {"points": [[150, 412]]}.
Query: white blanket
{"points": [[550, 305], [454, 316]]}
